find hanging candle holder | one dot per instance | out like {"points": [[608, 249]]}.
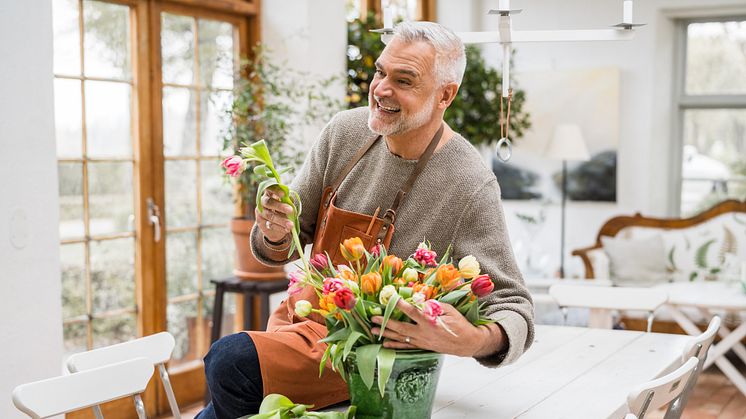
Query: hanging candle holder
{"points": [[504, 148]]}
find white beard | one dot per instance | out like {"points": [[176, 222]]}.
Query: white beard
{"points": [[402, 124]]}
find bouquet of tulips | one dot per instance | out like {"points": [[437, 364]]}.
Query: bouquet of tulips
{"points": [[369, 284]]}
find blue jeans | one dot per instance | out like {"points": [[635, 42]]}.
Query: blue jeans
{"points": [[233, 377]]}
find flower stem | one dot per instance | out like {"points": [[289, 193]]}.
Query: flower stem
{"points": [[363, 325]]}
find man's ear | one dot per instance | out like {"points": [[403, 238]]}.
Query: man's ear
{"points": [[449, 93]]}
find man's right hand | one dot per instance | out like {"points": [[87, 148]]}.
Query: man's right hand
{"points": [[273, 221]]}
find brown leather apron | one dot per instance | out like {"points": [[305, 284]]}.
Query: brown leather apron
{"points": [[289, 352]]}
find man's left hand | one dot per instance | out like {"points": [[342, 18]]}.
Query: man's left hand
{"points": [[469, 340]]}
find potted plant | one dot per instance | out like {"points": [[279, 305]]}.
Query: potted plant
{"points": [[275, 103]]}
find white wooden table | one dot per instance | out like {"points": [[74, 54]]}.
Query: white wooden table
{"points": [[568, 373], [710, 298]]}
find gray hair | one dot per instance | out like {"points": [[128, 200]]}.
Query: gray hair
{"points": [[450, 58]]}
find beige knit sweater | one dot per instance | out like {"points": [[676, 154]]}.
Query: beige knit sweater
{"points": [[455, 200]]}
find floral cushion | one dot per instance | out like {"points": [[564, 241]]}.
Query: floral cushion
{"points": [[711, 250]]}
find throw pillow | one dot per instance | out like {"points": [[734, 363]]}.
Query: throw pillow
{"points": [[636, 262]]}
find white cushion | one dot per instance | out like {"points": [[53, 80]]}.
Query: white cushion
{"points": [[636, 262]]}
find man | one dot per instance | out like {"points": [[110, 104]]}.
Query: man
{"points": [[455, 200]]}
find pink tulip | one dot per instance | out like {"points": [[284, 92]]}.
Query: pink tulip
{"points": [[482, 285], [320, 261], [375, 251], [234, 166], [425, 256], [295, 283], [432, 310], [344, 298], [332, 285]]}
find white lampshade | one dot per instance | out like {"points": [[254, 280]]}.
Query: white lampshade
{"points": [[567, 144]]}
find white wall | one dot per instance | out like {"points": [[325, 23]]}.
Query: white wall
{"points": [[309, 36], [30, 310], [645, 154]]}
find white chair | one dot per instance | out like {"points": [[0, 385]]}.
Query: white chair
{"points": [[659, 392], [157, 348], [697, 348], [68, 393], [606, 299]]}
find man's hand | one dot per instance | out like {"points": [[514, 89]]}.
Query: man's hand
{"points": [[470, 340], [273, 221]]}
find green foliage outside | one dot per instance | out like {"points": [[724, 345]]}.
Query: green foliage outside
{"points": [[475, 113]]}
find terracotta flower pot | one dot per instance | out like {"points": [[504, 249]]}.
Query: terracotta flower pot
{"points": [[246, 265]]}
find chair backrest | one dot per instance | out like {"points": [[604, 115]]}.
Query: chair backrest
{"points": [[156, 348], [55, 396], [699, 345], [609, 298], [661, 391]]}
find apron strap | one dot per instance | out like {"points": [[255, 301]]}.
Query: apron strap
{"points": [[347, 169], [390, 216]]}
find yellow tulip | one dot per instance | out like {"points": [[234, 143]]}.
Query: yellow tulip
{"points": [[352, 249], [469, 267]]}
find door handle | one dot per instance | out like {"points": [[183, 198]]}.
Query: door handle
{"points": [[154, 218]]}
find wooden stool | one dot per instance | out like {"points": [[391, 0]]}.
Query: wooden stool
{"points": [[249, 289]]}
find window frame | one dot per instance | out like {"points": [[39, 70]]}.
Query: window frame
{"points": [[684, 102], [151, 296]]}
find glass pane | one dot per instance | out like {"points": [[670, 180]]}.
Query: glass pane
{"points": [[715, 58], [110, 199], [177, 49], [217, 254], [107, 40], [214, 120], [72, 265], [181, 193], [113, 274], [179, 122], [217, 194], [713, 166], [66, 37], [182, 323], [216, 54], [181, 263], [74, 335], [111, 330], [107, 112], [68, 120], [70, 183]]}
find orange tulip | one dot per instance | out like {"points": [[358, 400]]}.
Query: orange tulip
{"points": [[347, 274], [394, 263], [352, 249], [370, 283], [447, 276], [426, 290]]}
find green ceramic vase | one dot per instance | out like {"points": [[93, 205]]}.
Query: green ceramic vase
{"points": [[410, 391]]}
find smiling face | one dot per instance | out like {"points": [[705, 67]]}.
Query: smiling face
{"points": [[404, 93]]}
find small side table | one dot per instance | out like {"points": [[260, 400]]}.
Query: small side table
{"points": [[262, 289]]}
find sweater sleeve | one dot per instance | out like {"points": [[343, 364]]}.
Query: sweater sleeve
{"points": [[309, 184], [481, 232]]}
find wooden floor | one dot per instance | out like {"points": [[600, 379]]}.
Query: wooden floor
{"points": [[714, 397]]}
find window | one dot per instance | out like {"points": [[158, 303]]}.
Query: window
{"points": [[711, 122], [141, 91], [402, 9]]}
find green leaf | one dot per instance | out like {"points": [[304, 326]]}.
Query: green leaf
{"points": [[340, 334], [386, 358], [671, 259], [454, 296], [701, 255], [365, 356], [405, 292], [275, 401], [472, 314], [387, 314], [354, 336], [324, 358], [260, 190]]}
